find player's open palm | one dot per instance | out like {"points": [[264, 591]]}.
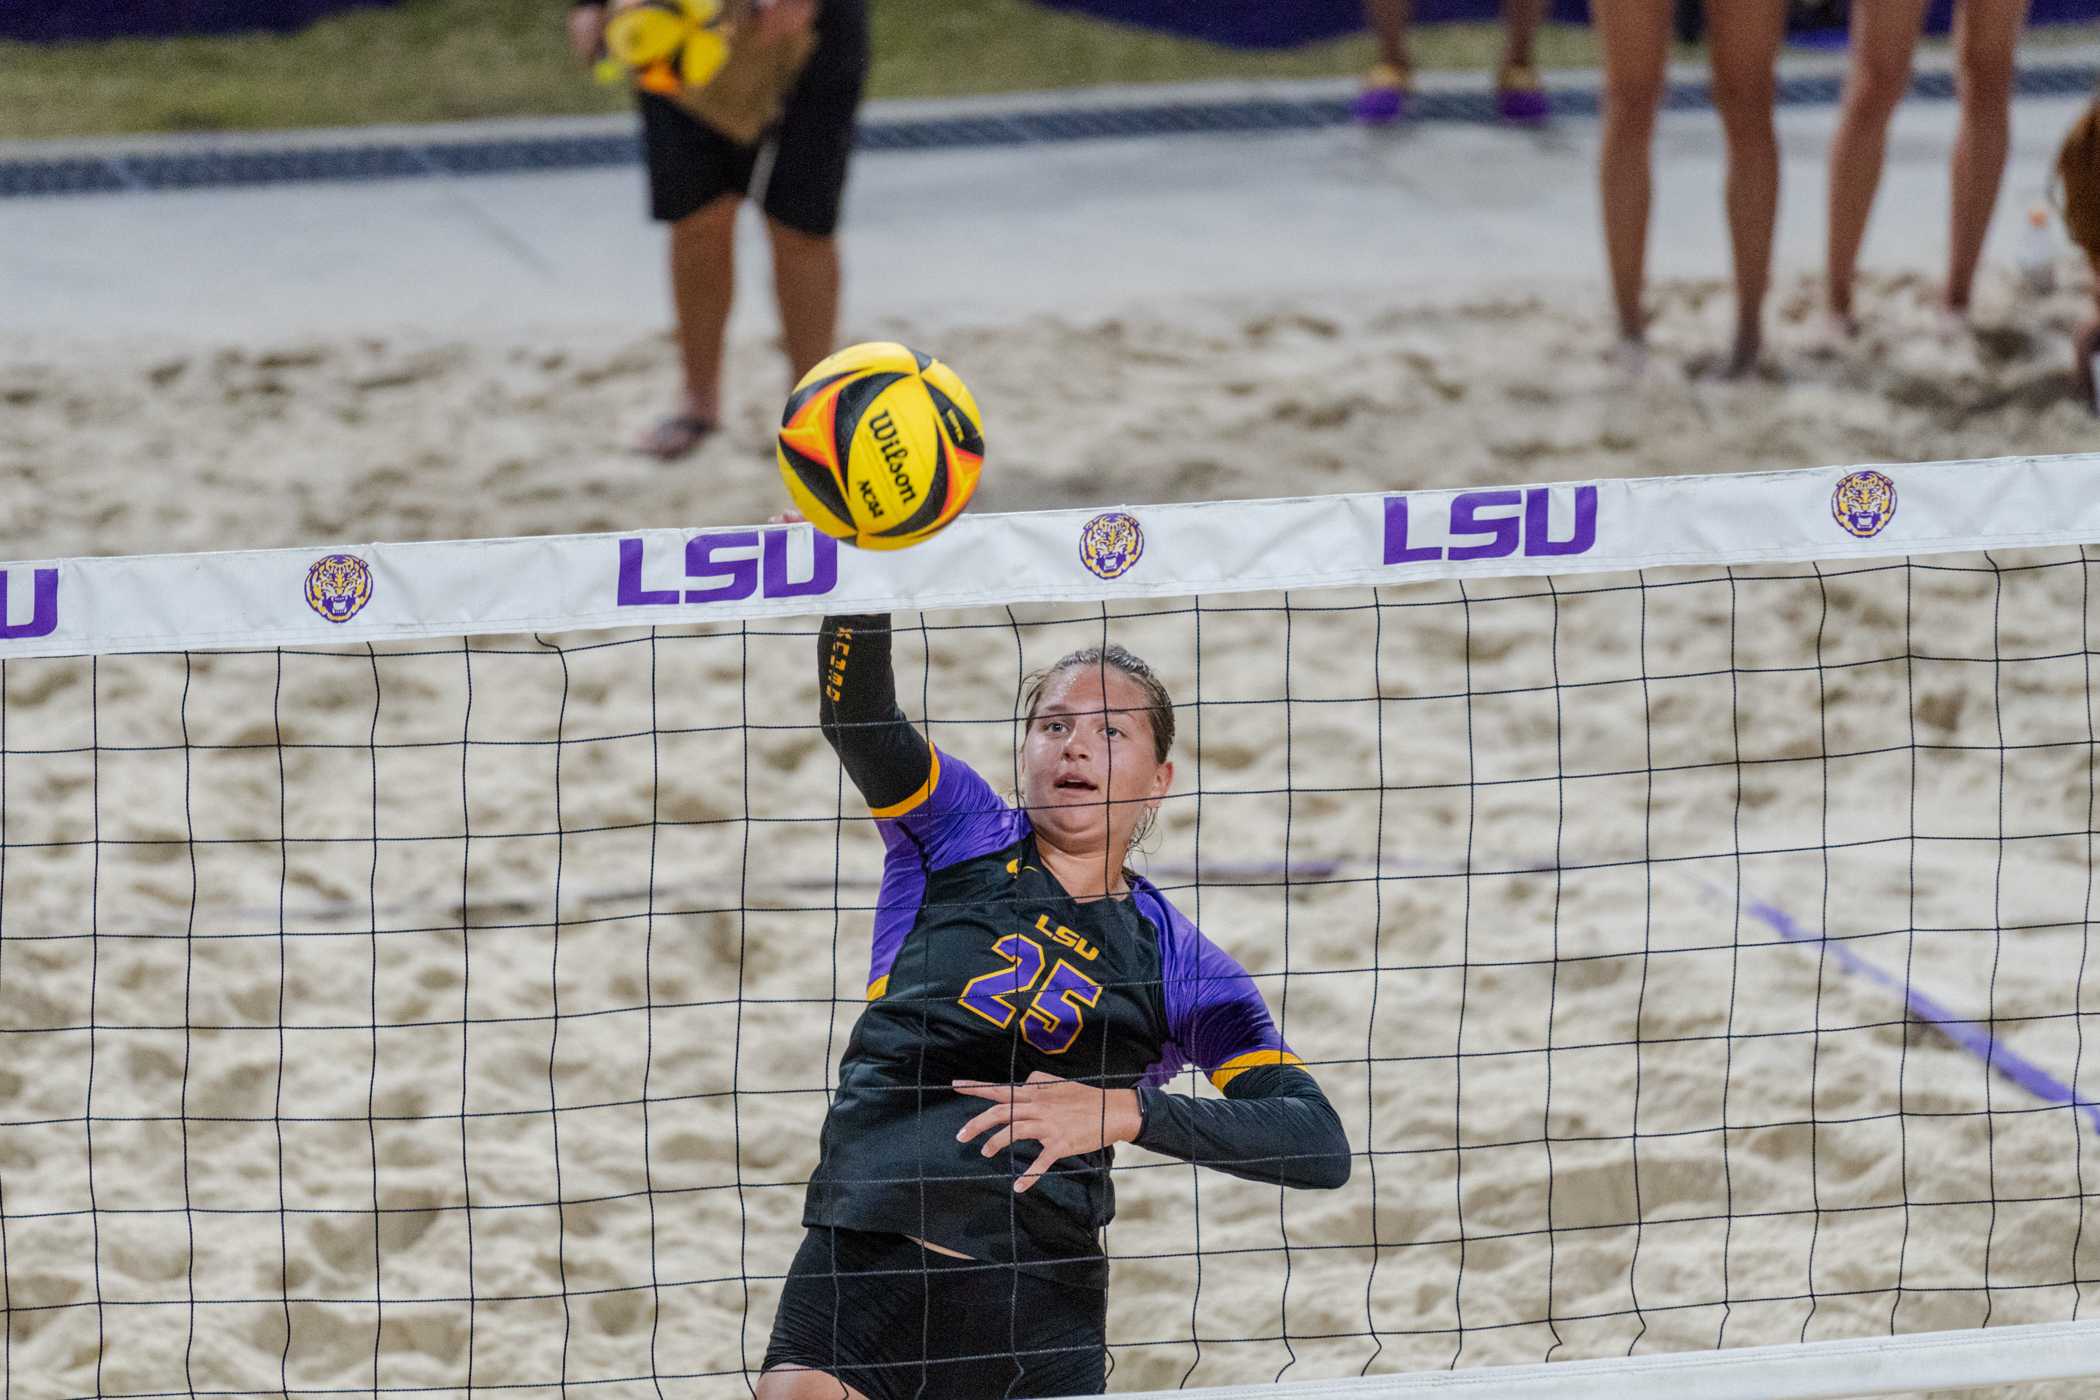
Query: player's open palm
{"points": [[1067, 1118]]}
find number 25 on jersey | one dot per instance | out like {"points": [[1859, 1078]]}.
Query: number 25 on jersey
{"points": [[1053, 1019]]}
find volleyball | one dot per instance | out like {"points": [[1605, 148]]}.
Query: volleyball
{"points": [[880, 445]]}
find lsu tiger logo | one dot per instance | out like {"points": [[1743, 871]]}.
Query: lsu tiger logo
{"points": [[338, 586], [1864, 503], [1111, 544]]}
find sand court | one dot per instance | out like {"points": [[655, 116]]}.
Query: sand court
{"points": [[480, 1002]]}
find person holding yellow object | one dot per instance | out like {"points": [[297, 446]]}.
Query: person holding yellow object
{"points": [[710, 75]]}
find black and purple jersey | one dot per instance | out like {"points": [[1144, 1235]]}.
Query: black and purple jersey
{"points": [[984, 968]]}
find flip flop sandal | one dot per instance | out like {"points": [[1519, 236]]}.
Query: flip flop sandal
{"points": [[1383, 98], [1521, 97], [675, 437]]}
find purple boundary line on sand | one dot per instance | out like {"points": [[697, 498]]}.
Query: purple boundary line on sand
{"points": [[1971, 1036]]}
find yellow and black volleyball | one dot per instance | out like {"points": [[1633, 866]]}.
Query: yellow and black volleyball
{"points": [[880, 445]]}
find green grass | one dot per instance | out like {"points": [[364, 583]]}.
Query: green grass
{"points": [[423, 60], [436, 60]]}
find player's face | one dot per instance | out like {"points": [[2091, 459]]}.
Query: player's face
{"points": [[1088, 774]]}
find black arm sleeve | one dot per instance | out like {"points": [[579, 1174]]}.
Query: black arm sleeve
{"points": [[1273, 1124], [887, 759]]}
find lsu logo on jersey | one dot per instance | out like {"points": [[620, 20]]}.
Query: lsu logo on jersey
{"points": [[1058, 933]]}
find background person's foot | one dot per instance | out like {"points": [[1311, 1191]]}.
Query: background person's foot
{"points": [[1629, 356], [1520, 96], [1744, 356], [1383, 99], [675, 436]]}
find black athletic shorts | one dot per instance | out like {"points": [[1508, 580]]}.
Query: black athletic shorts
{"points": [[897, 1321], [691, 165]]}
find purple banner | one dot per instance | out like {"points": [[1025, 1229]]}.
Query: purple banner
{"points": [[59, 21], [1265, 24]]}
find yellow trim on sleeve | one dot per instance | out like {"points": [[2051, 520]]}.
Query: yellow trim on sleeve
{"points": [[1239, 1064], [878, 987], [933, 780]]}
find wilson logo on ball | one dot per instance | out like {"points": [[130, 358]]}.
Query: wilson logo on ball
{"points": [[880, 446]]}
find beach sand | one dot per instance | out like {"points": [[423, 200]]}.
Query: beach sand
{"points": [[639, 948]]}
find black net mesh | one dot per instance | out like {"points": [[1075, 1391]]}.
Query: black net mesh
{"points": [[1694, 959]]}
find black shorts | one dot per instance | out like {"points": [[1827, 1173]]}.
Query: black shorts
{"points": [[895, 1321], [691, 165]]}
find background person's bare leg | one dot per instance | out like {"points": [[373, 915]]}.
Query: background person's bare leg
{"points": [[1634, 38], [1985, 34], [1884, 36], [1520, 31], [806, 282], [1519, 95], [1389, 19], [703, 284], [1743, 37], [1385, 89]]}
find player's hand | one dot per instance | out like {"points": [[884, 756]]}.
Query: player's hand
{"points": [[1068, 1119], [787, 517], [586, 32]]}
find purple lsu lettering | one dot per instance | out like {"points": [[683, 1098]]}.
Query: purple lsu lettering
{"points": [[43, 612], [724, 561], [1487, 516]]}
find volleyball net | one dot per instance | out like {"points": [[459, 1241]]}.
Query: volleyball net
{"points": [[423, 968]]}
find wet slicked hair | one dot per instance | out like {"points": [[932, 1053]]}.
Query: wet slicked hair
{"points": [[1158, 707]]}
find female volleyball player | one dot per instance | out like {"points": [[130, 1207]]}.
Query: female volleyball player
{"points": [[1884, 36], [1028, 998]]}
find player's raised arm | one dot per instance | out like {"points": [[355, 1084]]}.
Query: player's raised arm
{"points": [[857, 709]]}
